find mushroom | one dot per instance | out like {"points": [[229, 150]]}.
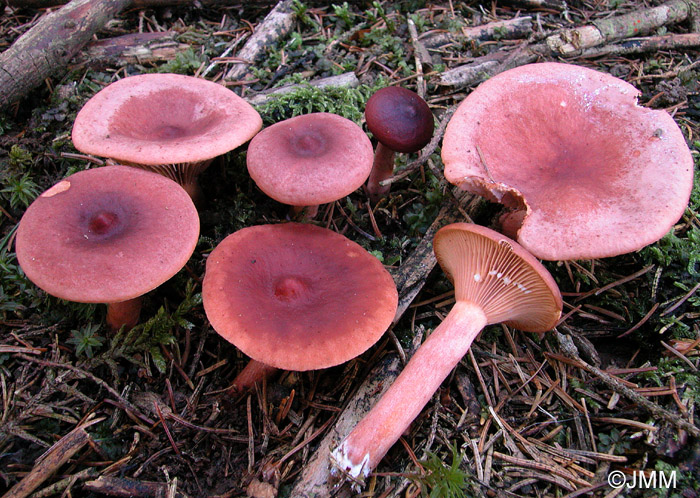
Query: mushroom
{"points": [[401, 121], [309, 160], [585, 171], [495, 280], [297, 296], [172, 124], [107, 235]]}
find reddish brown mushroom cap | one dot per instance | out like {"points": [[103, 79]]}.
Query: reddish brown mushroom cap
{"points": [[492, 271], [154, 119], [597, 174], [297, 296], [107, 235], [310, 159], [400, 119]]}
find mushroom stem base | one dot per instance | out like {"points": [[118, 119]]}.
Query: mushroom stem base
{"points": [[367, 444], [124, 313], [382, 169], [253, 372]]}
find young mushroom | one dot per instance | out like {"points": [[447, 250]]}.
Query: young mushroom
{"points": [[296, 296], [586, 172], [172, 124], [107, 235], [401, 121], [495, 281], [309, 160]]}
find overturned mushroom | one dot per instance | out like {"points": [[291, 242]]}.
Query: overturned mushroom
{"points": [[310, 160], [586, 172], [296, 296], [168, 123], [107, 235], [495, 281], [401, 121]]}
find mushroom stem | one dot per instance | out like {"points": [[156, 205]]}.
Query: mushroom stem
{"points": [[511, 222], [372, 438], [304, 212], [194, 191], [124, 313], [382, 169], [253, 372]]}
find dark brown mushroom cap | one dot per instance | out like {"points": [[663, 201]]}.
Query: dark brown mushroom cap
{"points": [[310, 159], [597, 174], [494, 272], [107, 235], [400, 119], [297, 296], [154, 119]]}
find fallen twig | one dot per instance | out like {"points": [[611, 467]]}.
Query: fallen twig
{"points": [[134, 48], [277, 24], [49, 46], [345, 80], [570, 41], [52, 460], [570, 350], [118, 486]]}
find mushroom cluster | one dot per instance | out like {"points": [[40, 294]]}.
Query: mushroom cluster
{"points": [[582, 170]]}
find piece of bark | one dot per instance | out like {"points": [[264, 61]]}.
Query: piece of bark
{"points": [[52, 460], [276, 25], [646, 44], [315, 480], [48, 47], [134, 48], [510, 29], [345, 80], [137, 4], [571, 41], [694, 16], [128, 488], [557, 5], [482, 68]]}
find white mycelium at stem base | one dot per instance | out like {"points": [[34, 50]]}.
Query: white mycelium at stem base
{"points": [[495, 281]]}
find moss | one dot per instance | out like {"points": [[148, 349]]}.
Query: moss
{"points": [[346, 102]]}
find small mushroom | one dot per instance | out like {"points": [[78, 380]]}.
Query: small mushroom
{"points": [[297, 296], [401, 121], [495, 281], [309, 160], [172, 124], [585, 171], [107, 235]]}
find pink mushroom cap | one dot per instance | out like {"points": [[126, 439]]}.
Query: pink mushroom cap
{"points": [[310, 159], [296, 296], [107, 235], [596, 174], [153, 119]]}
